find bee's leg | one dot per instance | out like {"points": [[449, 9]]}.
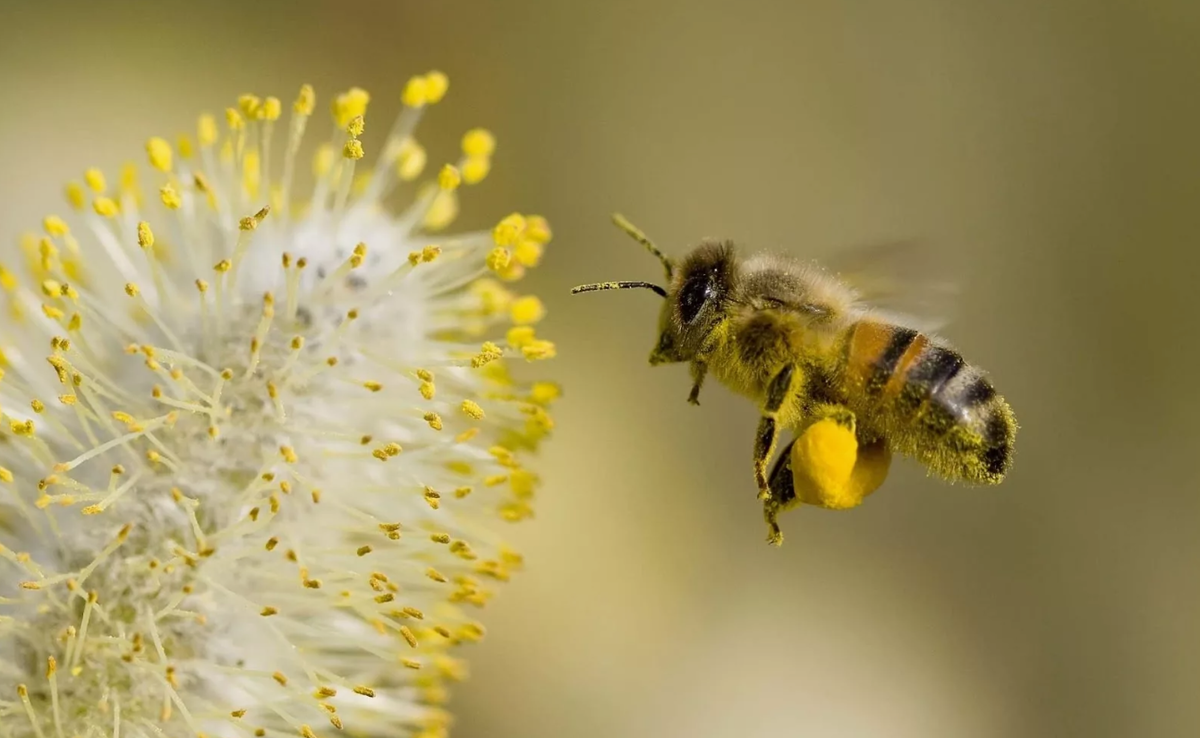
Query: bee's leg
{"points": [[764, 443], [699, 370], [783, 495]]}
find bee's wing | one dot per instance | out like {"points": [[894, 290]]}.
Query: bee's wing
{"points": [[907, 281]]}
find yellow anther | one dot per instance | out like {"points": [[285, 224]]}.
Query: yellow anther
{"points": [[159, 152], [360, 253], [478, 142], [105, 206], [170, 197], [434, 420], [131, 289], [449, 178], [528, 252], [55, 226], [424, 375], [22, 429], [519, 336], [543, 393], [6, 476], [353, 149], [184, 143], [527, 310], [472, 408], [206, 130], [95, 180], [201, 182], [37, 406], [498, 259], [442, 212], [288, 453], [509, 230], [271, 109], [429, 253], [145, 236], [222, 266], [427, 390], [350, 103], [411, 160], [51, 288], [475, 169], [323, 160], [234, 119], [306, 100], [356, 127], [436, 85], [249, 105], [373, 386], [75, 195], [201, 286], [538, 349], [416, 92]]}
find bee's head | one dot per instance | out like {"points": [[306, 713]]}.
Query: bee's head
{"points": [[696, 299], [696, 292]]}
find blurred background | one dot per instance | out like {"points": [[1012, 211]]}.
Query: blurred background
{"points": [[1050, 147]]}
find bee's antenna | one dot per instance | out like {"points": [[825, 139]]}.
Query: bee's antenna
{"points": [[641, 238], [597, 286]]}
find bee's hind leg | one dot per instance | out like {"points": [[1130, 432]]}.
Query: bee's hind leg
{"points": [[783, 495], [778, 391]]}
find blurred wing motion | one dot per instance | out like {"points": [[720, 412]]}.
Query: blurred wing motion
{"points": [[905, 281]]}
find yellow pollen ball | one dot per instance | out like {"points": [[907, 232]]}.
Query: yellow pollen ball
{"points": [[170, 197], [159, 152], [350, 103], [271, 108], [498, 259], [508, 230], [472, 408], [544, 392], [528, 252], [357, 126], [519, 336], [353, 149], [55, 226], [475, 169], [323, 160], [537, 229], [411, 161], [306, 100], [478, 142], [105, 207], [184, 144], [145, 236], [449, 178], [249, 105], [527, 310], [76, 196], [206, 130], [415, 93], [95, 180], [436, 85], [233, 119]]}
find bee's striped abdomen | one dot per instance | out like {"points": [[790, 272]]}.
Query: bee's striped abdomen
{"points": [[929, 401]]}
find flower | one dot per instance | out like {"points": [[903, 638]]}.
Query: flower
{"points": [[257, 451]]}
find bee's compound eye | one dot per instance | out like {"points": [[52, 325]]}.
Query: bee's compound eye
{"points": [[691, 298]]}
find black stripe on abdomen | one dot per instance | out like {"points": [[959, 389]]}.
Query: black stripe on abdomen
{"points": [[934, 369], [885, 365]]}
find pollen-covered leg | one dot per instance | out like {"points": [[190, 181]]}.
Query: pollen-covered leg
{"points": [[829, 467], [764, 441]]}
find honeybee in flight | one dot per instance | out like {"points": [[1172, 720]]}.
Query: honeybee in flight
{"points": [[811, 352]]}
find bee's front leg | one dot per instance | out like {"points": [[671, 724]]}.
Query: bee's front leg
{"points": [[764, 443], [699, 371]]}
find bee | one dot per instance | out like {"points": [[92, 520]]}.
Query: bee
{"points": [[815, 356]]}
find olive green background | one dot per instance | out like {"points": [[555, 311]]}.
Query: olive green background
{"points": [[1051, 147]]}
